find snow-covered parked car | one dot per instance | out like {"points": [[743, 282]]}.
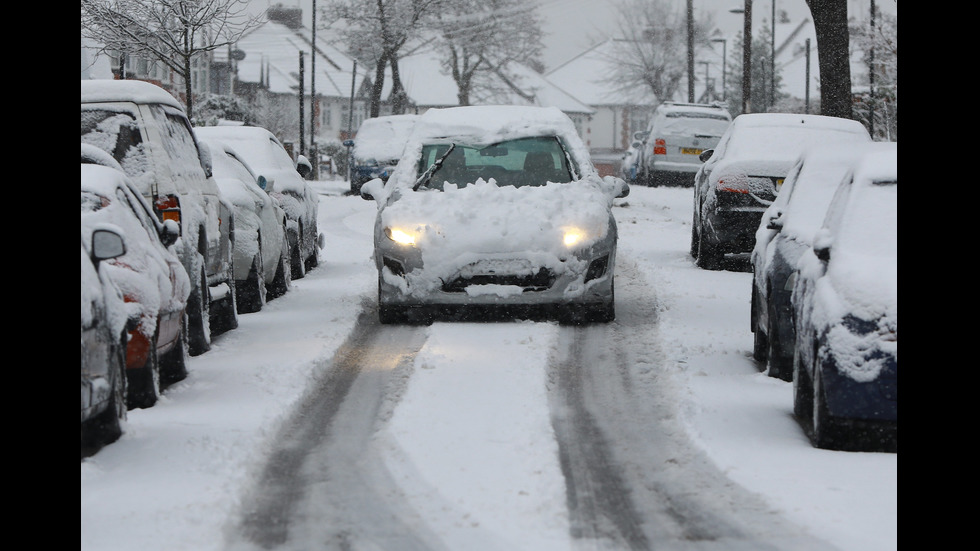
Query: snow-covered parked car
{"points": [[154, 283], [105, 322], [677, 135], [261, 255], [147, 132], [267, 156], [786, 231], [377, 147], [845, 305], [495, 206], [741, 176]]}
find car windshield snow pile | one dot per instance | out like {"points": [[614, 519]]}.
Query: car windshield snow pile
{"points": [[520, 162]]}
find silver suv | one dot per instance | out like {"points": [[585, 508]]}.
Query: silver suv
{"points": [[147, 131], [677, 134]]}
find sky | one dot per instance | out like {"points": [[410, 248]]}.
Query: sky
{"points": [[571, 26], [177, 477]]}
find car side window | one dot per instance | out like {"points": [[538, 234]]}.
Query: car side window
{"points": [[178, 143], [117, 133]]}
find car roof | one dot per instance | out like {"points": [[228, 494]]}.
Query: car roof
{"points": [[794, 119], [487, 124], [669, 106], [136, 91]]}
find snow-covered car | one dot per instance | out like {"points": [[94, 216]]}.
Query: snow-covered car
{"points": [[741, 176], [377, 147], [786, 231], [677, 135], [104, 327], [154, 283], [266, 155], [630, 165], [147, 132], [845, 304], [261, 254], [495, 206]]}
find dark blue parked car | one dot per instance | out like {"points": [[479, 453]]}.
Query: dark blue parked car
{"points": [[377, 147]]}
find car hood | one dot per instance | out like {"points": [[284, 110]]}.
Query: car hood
{"points": [[483, 219]]}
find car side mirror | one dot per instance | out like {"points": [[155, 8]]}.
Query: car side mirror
{"points": [[267, 184], [348, 143], [373, 190], [616, 187], [303, 166], [170, 232], [775, 221], [107, 244], [706, 154], [822, 241]]}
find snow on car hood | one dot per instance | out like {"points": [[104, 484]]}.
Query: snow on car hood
{"points": [[461, 225]]}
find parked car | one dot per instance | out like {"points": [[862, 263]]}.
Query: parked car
{"points": [[740, 177], [105, 322], [632, 161], [786, 231], [377, 147], [495, 206], [150, 276], [261, 253], [146, 131], [845, 303], [678, 133], [267, 156]]}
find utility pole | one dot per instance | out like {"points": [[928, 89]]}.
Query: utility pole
{"points": [[747, 59], [807, 75], [302, 99], [690, 51], [772, 60], [871, 70], [313, 102]]}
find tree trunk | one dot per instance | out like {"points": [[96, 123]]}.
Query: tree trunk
{"points": [[399, 98], [379, 82], [833, 56], [188, 87]]}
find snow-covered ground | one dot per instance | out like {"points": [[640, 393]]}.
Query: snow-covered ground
{"points": [[177, 477]]}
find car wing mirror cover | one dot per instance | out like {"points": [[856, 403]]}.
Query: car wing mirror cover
{"points": [[822, 242], [373, 190], [775, 221], [706, 154], [615, 186], [303, 166], [170, 233]]}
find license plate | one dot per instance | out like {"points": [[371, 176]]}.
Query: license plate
{"points": [[691, 151]]}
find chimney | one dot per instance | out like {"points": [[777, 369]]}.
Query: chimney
{"points": [[290, 17]]}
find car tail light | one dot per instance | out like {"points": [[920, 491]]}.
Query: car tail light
{"points": [[167, 207], [660, 146]]}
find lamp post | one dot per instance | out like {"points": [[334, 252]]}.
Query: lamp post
{"points": [[724, 66], [772, 60], [746, 55]]}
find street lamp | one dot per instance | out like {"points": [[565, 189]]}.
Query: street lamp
{"points": [[724, 66], [746, 55]]}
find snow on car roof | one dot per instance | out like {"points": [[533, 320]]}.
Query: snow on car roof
{"points": [[137, 91], [383, 138]]}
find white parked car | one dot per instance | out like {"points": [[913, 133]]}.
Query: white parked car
{"points": [[267, 156], [678, 133], [261, 253], [498, 207], [845, 305], [146, 131]]}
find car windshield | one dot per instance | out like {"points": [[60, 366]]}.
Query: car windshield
{"points": [[521, 162]]}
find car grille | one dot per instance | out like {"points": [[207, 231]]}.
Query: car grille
{"points": [[542, 280]]}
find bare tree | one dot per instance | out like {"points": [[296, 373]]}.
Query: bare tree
{"points": [[651, 53], [482, 39], [879, 44], [171, 31], [379, 31], [833, 56]]}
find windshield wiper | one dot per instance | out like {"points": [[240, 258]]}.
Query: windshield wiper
{"points": [[427, 175]]}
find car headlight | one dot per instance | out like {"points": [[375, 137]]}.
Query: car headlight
{"points": [[400, 236], [572, 236]]}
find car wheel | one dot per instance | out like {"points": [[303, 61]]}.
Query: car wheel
{"points": [[199, 314], [225, 315], [390, 314], [694, 236], [296, 261], [280, 283], [760, 346], [313, 260], [779, 366], [144, 382], [173, 364], [605, 312], [826, 432], [708, 256], [802, 392], [106, 427], [251, 291]]}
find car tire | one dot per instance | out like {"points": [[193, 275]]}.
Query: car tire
{"points": [[224, 317], [313, 260], [144, 382], [779, 366], [708, 256], [251, 291], [284, 275], [390, 314], [173, 364], [802, 393], [826, 432], [760, 344], [199, 315], [694, 236], [296, 261], [106, 427]]}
